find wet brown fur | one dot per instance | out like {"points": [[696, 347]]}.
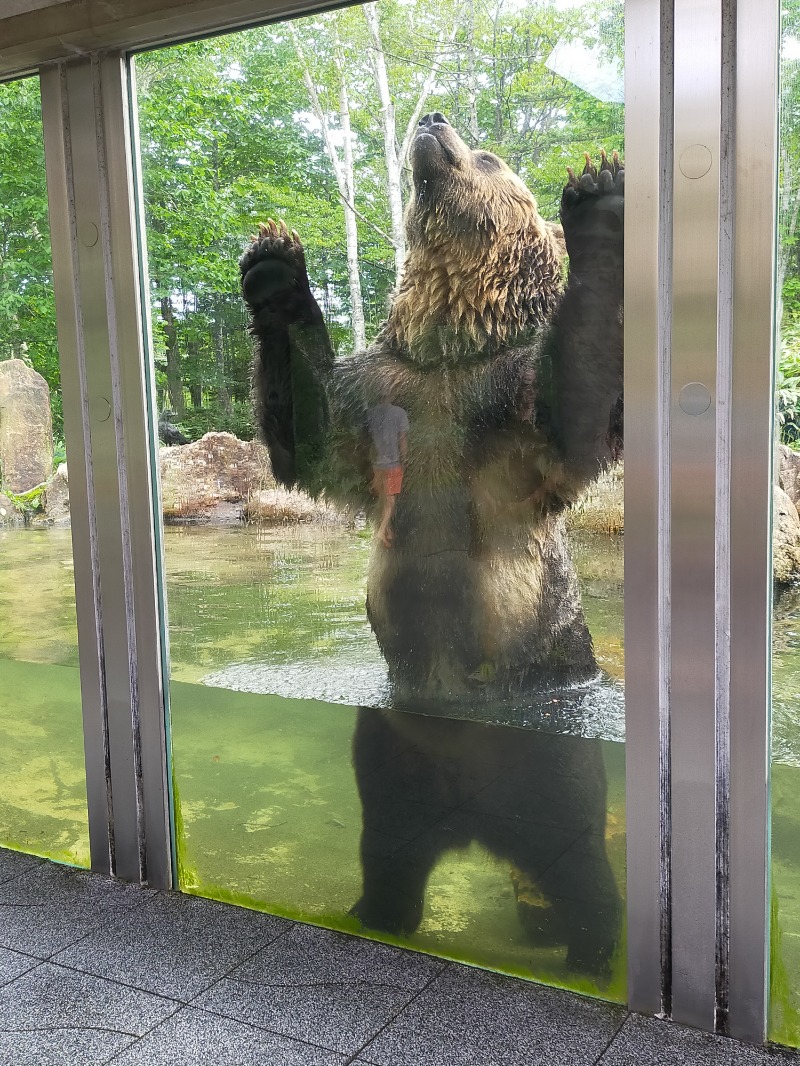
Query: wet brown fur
{"points": [[508, 383], [483, 268]]}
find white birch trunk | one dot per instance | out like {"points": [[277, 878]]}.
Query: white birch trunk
{"points": [[351, 230], [394, 184], [343, 172], [472, 87]]}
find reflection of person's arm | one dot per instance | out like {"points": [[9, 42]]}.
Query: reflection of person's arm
{"points": [[403, 442]]}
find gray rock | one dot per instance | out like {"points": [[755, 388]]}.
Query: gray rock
{"points": [[785, 538], [9, 515], [789, 472], [57, 498], [26, 427]]}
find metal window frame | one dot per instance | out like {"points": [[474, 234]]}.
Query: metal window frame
{"points": [[699, 298], [699, 509], [648, 81], [693, 487], [98, 309]]}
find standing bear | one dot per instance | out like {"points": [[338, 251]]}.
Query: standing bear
{"points": [[509, 386]]}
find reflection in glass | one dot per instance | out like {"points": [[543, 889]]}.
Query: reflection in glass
{"points": [[450, 449], [42, 777]]}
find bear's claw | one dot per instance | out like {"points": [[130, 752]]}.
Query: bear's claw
{"points": [[609, 176], [273, 263], [592, 204]]}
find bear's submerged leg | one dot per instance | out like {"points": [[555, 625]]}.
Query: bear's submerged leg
{"points": [[403, 834], [393, 892], [545, 811]]}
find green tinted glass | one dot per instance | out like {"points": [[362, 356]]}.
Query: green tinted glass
{"points": [[395, 634]]}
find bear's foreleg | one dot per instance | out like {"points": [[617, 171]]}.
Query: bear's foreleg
{"points": [[545, 811], [585, 905], [294, 358], [584, 346]]}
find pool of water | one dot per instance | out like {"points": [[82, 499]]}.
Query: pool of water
{"points": [[281, 611], [271, 657], [270, 653]]}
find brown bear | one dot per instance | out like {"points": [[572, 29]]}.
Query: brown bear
{"points": [[509, 389]]}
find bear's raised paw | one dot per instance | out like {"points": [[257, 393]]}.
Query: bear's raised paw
{"points": [[273, 269], [592, 208]]}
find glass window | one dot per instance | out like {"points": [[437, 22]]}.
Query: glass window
{"points": [[395, 634], [785, 954], [42, 778]]}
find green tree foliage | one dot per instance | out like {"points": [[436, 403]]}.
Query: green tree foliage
{"points": [[535, 119], [27, 306], [228, 137]]}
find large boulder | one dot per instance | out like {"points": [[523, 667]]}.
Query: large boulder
{"points": [[56, 498], [212, 478], [785, 538], [26, 427], [789, 473], [9, 515]]}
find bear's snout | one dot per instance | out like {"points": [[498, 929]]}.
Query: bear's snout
{"points": [[437, 149]]}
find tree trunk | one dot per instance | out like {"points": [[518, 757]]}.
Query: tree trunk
{"points": [[789, 208], [174, 377], [193, 362], [472, 83], [223, 393], [342, 169], [393, 176], [351, 230]]}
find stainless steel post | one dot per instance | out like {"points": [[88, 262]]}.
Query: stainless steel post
{"points": [[86, 122]]}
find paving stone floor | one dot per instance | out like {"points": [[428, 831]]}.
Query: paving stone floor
{"points": [[93, 971]]}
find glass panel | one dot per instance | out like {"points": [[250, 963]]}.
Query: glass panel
{"points": [[391, 712], [784, 1021], [42, 777]]}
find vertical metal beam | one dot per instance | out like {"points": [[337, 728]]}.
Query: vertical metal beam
{"points": [[753, 173], [697, 105], [75, 396], [99, 322], [648, 80]]}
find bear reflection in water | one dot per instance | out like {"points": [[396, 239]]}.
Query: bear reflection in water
{"points": [[512, 386]]}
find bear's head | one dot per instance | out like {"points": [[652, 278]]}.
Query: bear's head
{"points": [[483, 268]]}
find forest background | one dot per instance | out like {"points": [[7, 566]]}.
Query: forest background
{"points": [[310, 121]]}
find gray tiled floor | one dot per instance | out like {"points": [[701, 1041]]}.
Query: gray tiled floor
{"points": [[95, 972]]}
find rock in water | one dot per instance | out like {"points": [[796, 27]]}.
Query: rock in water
{"points": [[26, 427], [785, 538]]}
